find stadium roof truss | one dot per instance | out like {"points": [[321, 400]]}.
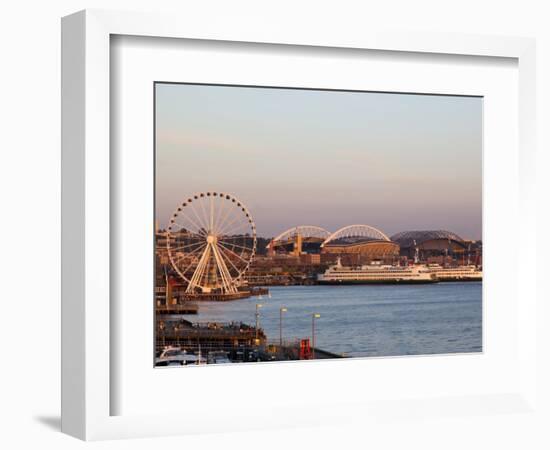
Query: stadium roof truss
{"points": [[365, 232], [305, 231], [408, 238]]}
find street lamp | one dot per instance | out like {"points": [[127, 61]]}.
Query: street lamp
{"points": [[161, 327], [313, 317], [258, 306], [281, 311]]}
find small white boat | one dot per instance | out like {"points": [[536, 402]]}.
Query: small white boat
{"points": [[174, 356], [218, 357]]}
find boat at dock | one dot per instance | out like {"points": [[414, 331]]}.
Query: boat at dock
{"points": [[456, 273], [376, 274], [218, 357], [245, 292], [175, 356]]}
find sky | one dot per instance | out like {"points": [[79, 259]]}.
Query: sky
{"points": [[328, 158]]}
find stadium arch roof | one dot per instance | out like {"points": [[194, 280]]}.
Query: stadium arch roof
{"points": [[306, 231], [356, 231], [407, 238]]}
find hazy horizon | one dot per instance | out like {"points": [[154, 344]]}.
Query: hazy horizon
{"points": [[328, 158]]}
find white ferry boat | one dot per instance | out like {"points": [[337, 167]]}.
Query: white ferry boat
{"points": [[459, 273], [376, 274]]}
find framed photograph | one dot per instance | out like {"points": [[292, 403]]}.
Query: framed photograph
{"points": [[244, 278], [287, 222]]}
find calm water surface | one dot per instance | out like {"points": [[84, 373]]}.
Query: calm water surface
{"points": [[367, 320]]}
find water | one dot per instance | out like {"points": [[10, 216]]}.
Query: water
{"points": [[366, 320]]}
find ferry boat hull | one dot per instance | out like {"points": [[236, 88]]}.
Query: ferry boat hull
{"points": [[339, 275], [378, 282], [459, 279]]}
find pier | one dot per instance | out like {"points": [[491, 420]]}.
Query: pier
{"points": [[208, 335], [294, 351], [224, 297], [239, 341], [178, 309]]}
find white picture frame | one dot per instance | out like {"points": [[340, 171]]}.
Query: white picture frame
{"points": [[86, 221]]}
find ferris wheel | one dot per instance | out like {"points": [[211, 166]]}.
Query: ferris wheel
{"points": [[211, 242]]}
